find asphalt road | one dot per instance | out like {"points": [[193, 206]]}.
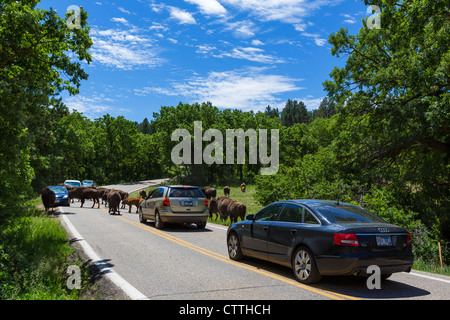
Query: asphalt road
{"points": [[181, 262]]}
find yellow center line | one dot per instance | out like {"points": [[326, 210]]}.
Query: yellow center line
{"points": [[332, 295]]}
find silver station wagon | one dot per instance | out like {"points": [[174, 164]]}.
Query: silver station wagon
{"points": [[175, 204]]}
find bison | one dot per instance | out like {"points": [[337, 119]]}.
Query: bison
{"points": [[48, 199], [222, 207], [209, 192], [213, 208], [103, 194], [236, 209], [90, 193], [114, 201], [243, 187], [226, 191], [132, 202]]}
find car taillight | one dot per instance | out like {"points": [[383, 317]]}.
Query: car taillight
{"points": [[346, 239], [206, 202], [166, 202], [408, 239]]}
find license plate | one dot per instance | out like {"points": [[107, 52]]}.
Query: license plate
{"points": [[384, 241], [188, 203]]}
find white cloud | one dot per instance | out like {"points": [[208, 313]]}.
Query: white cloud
{"points": [[209, 7], [124, 10], [310, 102], [317, 40], [249, 89], [251, 54], [256, 42], [123, 49], [93, 106], [287, 11], [182, 16], [121, 20], [242, 29]]}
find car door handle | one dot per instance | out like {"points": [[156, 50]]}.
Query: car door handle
{"points": [[265, 228], [293, 231]]}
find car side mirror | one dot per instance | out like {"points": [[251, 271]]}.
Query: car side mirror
{"points": [[251, 217]]}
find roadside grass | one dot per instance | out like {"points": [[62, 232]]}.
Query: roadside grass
{"points": [[427, 266], [34, 256]]}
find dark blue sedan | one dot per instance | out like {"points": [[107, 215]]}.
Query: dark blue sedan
{"points": [[62, 195], [317, 237]]}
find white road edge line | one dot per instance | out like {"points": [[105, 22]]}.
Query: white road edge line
{"points": [[131, 291], [428, 277]]}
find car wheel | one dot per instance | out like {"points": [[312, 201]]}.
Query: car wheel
{"points": [[158, 223], [304, 266], [141, 217], [201, 225], [234, 247]]}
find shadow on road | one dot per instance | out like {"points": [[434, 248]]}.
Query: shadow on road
{"points": [[347, 285]]}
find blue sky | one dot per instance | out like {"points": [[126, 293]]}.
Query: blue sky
{"points": [[243, 54]]}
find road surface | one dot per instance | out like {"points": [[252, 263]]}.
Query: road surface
{"points": [[181, 262]]}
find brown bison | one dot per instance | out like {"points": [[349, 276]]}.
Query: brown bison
{"points": [[90, 193], [226, 191], [103, 194], [114, 201], [48, 199], [236, 210], [243, 187], [209, 192], [213, 208], [222, 206], [132, 202]]}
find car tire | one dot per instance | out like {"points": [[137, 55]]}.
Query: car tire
{"points": [[201, 225], [141, 217], [158, 223], [304, 266], [234, 247]]}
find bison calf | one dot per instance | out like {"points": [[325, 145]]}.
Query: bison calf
{"points": [[132, 202]]}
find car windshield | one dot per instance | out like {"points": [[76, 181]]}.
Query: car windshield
{"points": [[87, 182], [58, 189], [344, 213], [186, 193], [73, 183]]}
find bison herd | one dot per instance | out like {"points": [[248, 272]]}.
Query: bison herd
{"points": [[223, 206]]}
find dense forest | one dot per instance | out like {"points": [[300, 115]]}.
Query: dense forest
{"points": [[380, 139]]}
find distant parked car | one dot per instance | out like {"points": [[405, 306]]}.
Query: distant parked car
{"points": [[62, 195], [177, 204], [316, 237], [73, 183], [88, 183]]}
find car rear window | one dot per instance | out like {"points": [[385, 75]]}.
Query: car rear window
{"points": [[342, 213], [58, 189], [186, 193]]}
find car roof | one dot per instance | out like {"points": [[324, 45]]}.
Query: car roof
{"points": [[317, 202], [179, 186]]}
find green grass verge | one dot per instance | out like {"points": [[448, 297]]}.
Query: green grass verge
{"points": [[34, 256]]}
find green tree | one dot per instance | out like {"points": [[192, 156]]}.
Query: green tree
{"points": [[35, 65], [396, 83], [294, 112]]}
